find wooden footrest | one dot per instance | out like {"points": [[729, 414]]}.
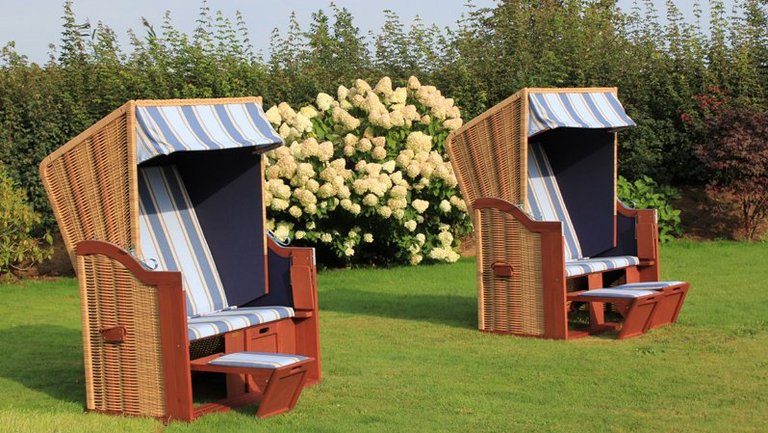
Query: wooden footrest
{"points": [[636, 306], [282, 375], [672, 297]]}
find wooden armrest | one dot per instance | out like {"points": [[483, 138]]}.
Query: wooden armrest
{"points": [[518, 214], [303, 274], [146, 276]]}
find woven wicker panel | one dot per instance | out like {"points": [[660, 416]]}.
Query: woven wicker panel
{"points": [[488, 155], [89, 186], [121, 377], [509, 304]]}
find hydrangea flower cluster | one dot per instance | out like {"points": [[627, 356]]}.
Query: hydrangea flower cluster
{"points": [[364, 174]]}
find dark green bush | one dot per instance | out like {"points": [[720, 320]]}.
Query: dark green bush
{"points": [[645, 193], [19, 247]]}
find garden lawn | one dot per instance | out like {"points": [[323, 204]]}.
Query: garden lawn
{"points": [[401, 353]]}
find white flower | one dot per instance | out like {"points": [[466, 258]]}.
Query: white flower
{"points": [[279, 204], [420, 205], [283, 230], [399, 96], [325, 151], [273, 115], [421, 238], [311, 225], [385, 211], [308, 111], [459, 203], [445, 206], [349, 150], [452, 124], [389, 166], [345, 119], [368, 238], [445, 238], [324, 101], [326, 238], [398, 213], [286, 112], [416, 259], [418, 141], [361, 85], [349, 252], [379, 153], [342, 93], [300, 234], [302, 123], [295, 211], [398, 192], [364, 145], [384, 86], [410, 225], [355, 209], [413, 83], [370, 200]]}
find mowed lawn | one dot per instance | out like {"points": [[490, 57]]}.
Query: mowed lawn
{"points": [[401, 354]]}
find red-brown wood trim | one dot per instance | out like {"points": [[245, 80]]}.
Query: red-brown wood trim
{"points": [[553, 270], [175, 347], [146, 276], [522, 217]]}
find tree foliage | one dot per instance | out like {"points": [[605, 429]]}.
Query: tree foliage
{"points": [[658, 64]]}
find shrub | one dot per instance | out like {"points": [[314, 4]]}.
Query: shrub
{"points": [[365, 175], [645, 193], [735, 150], [19, 248]]}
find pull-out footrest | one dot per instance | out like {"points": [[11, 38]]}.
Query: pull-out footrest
{"points": [[636, 306], [283, 376], [672, 297]]}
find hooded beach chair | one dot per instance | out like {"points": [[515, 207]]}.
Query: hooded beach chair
{"points": [[538, 171], [161, 208]]}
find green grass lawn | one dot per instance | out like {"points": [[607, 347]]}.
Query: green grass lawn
{"points": [[401, 354]]}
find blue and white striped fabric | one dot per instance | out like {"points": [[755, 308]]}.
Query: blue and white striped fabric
{"points": [[263, 360], [575, 110], [575, 268], [649, 285], [161, 130], [170, 233], [544, 199], [231, 320], [613, 293]]}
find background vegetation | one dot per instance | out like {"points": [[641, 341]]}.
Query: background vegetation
{"points": [[661, 63]]}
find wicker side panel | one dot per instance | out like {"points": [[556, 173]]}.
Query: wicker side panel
{"points": [[89, 187], [122, 377], [509, 304], [487, 155]]}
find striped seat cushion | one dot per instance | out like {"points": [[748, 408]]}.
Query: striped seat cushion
{"points": [[170, 233], [615, 293], [575, 268], [545, 201], [649, 285], [263, 360], [231, 320]]}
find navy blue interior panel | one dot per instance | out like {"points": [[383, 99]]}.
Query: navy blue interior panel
{"points": [[225, 189], [583, 162]]}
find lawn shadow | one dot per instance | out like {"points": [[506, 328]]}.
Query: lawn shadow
{"points": [[45, 358], [452, 310]]}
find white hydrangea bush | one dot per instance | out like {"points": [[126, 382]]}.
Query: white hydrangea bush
{"points": [[365, 175]]}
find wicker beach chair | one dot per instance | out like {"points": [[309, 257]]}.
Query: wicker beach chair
{"points": [[539, 172], [161, 208]]}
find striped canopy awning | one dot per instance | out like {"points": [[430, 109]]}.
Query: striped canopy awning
{"points": [[164, 129], [595, 110]]}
